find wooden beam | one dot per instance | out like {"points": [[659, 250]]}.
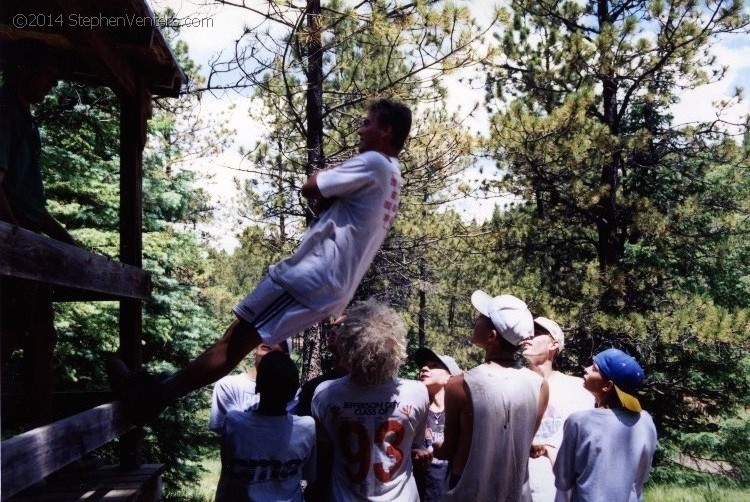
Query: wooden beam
{"points": [[32, 256], [134, 112], [30, 457]]}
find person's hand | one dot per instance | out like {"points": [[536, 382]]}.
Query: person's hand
{"points": [[538, 450], [319, 204], [421, 458]]}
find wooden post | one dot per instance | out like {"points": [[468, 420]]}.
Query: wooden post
{"points": [[133, 116]]}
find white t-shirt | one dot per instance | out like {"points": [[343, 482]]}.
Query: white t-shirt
{"points": [[231, 393], [265, 457], [566, 396], [339, 246], [605, 455], [371, 430]]}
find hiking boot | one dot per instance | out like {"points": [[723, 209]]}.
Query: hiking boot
{"points": [[138, 390]]}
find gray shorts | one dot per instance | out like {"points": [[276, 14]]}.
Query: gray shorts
{"points": [[274, 313]]}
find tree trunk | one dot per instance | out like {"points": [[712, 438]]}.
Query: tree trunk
{"points": [[314, 143], [314, 88]]}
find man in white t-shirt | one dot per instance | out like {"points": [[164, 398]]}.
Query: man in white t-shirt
{"points": [[566, 395], [494, 409], [356, 202], [371, 419], [266, 452]]}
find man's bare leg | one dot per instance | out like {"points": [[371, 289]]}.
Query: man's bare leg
{"points": [[146, 396]]}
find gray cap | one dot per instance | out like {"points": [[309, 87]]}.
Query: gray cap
{"points": [[553, 329], [509, 315], [423, 354]]}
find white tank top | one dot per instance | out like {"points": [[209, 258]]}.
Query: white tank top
{"points": [[505, 403]]}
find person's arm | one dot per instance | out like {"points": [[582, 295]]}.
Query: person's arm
{"points": [[53, 228], [563, 496], [315, 199], [455, 400], [421, 455], [319, 490], [543, 400], [564, 465], [310, 188], [309, 468], [6, 212]]}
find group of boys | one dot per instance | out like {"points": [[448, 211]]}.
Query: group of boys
{"points": [[469, 437], [372, 423]]}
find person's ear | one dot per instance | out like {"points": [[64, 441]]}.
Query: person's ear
{"points": [[386, 133], [492, 335], [609, 386]]}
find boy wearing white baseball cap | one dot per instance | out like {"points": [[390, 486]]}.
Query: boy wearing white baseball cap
{"points": [[494, 409]]}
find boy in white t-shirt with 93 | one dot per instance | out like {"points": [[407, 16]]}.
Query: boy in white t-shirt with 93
{"points": [[359, 200]]}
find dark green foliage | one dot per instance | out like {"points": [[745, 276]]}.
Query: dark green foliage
{"points": [[633, 232]]}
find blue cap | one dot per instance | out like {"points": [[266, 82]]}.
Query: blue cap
{"points": [[625, 373]]}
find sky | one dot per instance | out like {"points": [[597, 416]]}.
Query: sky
{"points": [[221, 26]]}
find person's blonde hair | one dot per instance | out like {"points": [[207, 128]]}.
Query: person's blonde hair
{"points": [[371, 342]]}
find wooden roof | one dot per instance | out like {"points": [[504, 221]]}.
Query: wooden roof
{"points": [[115, 43]]}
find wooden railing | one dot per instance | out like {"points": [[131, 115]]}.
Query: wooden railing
{"points": [[30, 457], [32, 256], [75, 274]]}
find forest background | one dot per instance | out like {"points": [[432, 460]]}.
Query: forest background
{"points": [[628, 228]]}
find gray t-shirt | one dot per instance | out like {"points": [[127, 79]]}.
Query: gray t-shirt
{"points": [[605, 455]]}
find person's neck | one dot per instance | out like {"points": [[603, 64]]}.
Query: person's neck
{"points": [[500, 357], [340, 370], [388, 152], [607, 401], [271, 410], [544, 369], [437, 400]]}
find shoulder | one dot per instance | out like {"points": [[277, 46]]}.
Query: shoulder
{"points": [[305, 422], [647, 421], [237, 417], [414, 387], [375, 158], [313, 383], [327, 387], [582, 416], [566, 379], [455, 386], [530, 375], [241, 381]]}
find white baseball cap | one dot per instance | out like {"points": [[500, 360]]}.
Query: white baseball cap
{"points": [[553, 329], [509, 315]]}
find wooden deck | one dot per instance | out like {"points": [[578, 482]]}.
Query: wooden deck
{"points": [[142, 484]]}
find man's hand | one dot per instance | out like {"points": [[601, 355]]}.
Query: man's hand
{"points": [[315, 199], [421, 458], [538, 450], [319, 204]]}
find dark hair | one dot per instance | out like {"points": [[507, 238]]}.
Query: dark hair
{"points": [[394, 114], [278, 377]]}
